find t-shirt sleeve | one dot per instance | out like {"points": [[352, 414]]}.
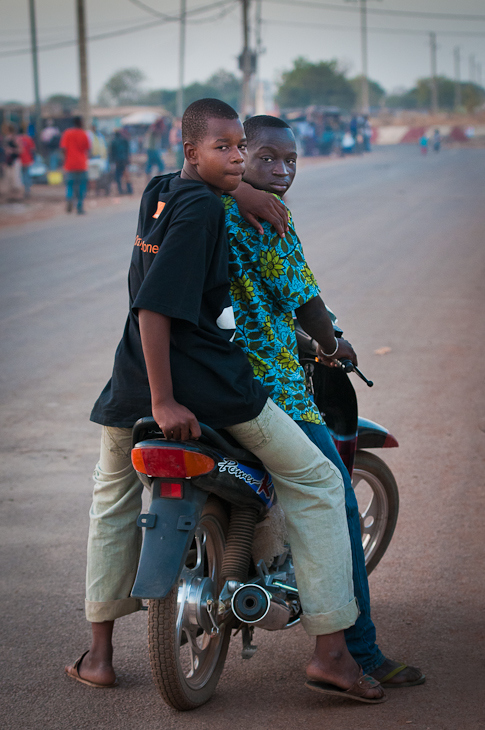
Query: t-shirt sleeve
{"points": [[62, 143], [174, 284], [283, 269]]}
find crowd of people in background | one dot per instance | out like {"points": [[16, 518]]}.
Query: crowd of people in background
{"points": [[97, 160], [331, 135], [84, 159]]}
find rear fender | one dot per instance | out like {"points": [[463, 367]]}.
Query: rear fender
{"points": [[371, 435], [169, 530]]}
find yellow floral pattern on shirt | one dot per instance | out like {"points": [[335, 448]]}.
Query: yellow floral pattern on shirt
{"points": [[269, 279]]}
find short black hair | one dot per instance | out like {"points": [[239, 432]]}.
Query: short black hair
{"points": [[254, 125], [77, 121], [197, 114]]}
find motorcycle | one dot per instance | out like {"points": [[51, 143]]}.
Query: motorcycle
{"points": [[201, 568]]}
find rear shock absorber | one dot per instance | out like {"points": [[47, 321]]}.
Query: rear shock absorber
{"points": [[235, 565]]}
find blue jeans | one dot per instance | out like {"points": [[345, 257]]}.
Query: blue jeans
{"points": [[26, 179], [154, 160], [76, 186], [361, 637]]}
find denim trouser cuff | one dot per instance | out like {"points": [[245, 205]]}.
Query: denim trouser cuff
{"points": [[329, 623], [99, 611]]}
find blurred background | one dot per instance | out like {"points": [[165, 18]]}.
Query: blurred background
{"points": [[347, 75], [386, 100]]}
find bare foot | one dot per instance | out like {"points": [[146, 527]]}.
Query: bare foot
{"points": [[92, 669], [406, 677], [340, 669]]}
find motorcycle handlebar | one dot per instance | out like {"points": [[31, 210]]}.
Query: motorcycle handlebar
{"points": [[349, 366]]}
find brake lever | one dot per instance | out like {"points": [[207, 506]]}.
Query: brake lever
{"points": [[349, 366]]}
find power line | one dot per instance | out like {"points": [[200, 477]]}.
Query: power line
{"points": [[171, 18], [379, 11], [116, 33], [355, 28]]}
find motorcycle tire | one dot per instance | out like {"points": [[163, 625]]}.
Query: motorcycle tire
{"points": [[186, 661], [378, 498]]}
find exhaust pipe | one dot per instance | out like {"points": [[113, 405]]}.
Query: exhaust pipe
{"points": [[252, 604]]}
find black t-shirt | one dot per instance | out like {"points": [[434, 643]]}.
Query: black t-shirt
{"points": [[179, 268]]}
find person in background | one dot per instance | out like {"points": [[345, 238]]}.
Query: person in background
{"points": [[27, 149], [153, 145], [367, 133], [119, 155], [436, 140], [423, 143], [13, 182], [75, 145], [348, 143], [50, 138], [175, 141], [98, 159]]}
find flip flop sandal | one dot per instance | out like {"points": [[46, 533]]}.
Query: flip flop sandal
{"points": [[396, 685], [73, 673], [356, 692]]}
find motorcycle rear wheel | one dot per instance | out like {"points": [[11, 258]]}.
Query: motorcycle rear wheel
{"points": [[378, 498], [186, 660]]}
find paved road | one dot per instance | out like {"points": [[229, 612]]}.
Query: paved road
{"points": [[397, 244]]}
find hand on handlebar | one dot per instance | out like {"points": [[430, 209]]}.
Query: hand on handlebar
{"points": [[176, 421], [345, 352]]}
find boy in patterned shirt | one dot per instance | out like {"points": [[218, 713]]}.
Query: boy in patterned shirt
{"points": [[270, 280]]}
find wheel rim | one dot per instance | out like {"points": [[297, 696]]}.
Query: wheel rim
{"points": [[198, 644], [373, 510]]}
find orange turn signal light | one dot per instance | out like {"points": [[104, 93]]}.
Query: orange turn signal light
{"points": [[158, 460]]}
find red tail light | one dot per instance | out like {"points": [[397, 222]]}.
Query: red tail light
{"points": [[172, 490], [160, 461]]}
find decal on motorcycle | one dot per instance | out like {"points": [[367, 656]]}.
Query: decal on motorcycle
{"points": [[259, 481]]}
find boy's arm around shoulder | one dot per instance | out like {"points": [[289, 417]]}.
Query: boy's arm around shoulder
{"points": [[175, 420], [254, 204]]}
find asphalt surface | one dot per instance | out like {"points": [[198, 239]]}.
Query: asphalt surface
{"points": [[397, 243]]}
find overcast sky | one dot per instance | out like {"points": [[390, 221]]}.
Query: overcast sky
{"points": [[397, 56]]}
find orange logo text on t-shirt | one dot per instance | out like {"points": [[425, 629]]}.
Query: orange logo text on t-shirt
{"points": [[146, 247], [159, 209]]}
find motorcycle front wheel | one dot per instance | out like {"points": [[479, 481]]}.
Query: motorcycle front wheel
{"points": [[378, 499], [187, 652]]}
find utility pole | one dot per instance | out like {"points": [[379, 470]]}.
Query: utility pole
{"points": [[83, 62], [180, 90], [433, 81], [364, 89], [246, 62], [35, 68], [478, 73], [471, 68], [456, 58], [259, 106]]}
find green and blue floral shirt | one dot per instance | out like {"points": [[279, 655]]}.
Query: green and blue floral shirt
{"points": [[269, 279]]}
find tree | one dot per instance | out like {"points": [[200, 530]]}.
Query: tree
{"points": [[221, 85], [420, 97], [472, 96], [315, 83], [124, 87], [376, 92], [65, 101]]}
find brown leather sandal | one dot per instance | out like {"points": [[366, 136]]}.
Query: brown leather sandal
{"points": [[73, 673], [362, 684]]}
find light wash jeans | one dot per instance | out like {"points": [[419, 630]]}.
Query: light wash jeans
{"points": [[114, 539], [310, 491], [76, 186], [361, 637]]}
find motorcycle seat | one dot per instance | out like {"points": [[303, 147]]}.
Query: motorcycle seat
{"points": [[146, 428]]}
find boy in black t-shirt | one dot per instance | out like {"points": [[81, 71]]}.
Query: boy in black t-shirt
{"points": [[177, 360]]}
